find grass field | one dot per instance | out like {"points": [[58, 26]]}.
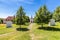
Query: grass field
{"points": [[45, 33], [12, 33], [3, 29]]}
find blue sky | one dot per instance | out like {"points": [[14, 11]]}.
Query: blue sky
{"points": [[10, 7]]}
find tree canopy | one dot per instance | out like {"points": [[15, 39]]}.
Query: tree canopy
{"points": [[42, 15], [21, 18], [56, 14]]}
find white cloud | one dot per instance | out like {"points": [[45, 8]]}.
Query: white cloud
{"points": [[5, 10], [16, 1]]}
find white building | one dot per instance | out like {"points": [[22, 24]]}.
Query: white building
{"points": [[31, 19]]}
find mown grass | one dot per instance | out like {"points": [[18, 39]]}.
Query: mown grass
{"points": [[16, 35], [4, 30], [42, 34]]}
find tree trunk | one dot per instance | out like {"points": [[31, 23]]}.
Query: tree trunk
{"points": [[41, 24], [20, 26]]}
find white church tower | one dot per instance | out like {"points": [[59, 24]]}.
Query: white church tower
{"points": [[31, 19]]}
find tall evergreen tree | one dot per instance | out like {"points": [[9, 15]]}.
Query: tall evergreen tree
{"points": [[56, 14], [20, 16], [27, 19], [13, 19], [42, 15], [1, 20]]}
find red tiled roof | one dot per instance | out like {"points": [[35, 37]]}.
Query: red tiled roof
{"points": [[9, 18]]}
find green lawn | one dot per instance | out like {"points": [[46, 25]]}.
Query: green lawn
{"points": [[39, 34], [3, 29], [14, 34], [46, 34]]}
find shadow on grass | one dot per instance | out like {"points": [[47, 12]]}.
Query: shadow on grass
{"points": [[22, 29], [49, 28]]}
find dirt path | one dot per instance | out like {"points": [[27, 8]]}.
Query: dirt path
{"points": [[30, 26], [31, 33]]}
